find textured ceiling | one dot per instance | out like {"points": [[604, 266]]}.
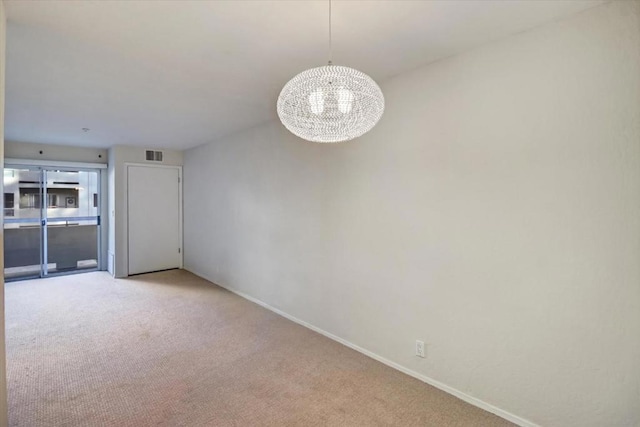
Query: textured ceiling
{"points": [[177, 74]]}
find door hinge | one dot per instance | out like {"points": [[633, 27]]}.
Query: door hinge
{"points": [[179, 250], [178, 180]]}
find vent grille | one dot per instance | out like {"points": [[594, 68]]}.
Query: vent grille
{"points": [[153, 156]]}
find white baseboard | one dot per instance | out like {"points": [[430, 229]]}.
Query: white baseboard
{"points": [[437, 384]]}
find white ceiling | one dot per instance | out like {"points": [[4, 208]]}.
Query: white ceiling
{"points": [[177, 74]]}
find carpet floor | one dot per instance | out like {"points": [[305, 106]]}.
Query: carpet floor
{"points": [[171, 349]]}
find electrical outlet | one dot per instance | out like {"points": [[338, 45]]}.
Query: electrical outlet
{"points": [[420, 348]]}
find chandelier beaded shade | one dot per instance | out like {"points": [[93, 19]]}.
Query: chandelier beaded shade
{"points": [[331, 103]]}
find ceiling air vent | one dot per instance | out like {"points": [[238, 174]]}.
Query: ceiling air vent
{"points": [[153, 156]]}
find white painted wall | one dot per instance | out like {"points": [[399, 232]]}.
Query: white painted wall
{"points": [[494, 213], [3, 374], [118, 157]]}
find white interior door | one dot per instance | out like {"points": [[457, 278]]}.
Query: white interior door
{"points": [[154, 218]]}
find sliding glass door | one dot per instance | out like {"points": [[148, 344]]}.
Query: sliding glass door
{"points": [[51, 221]]}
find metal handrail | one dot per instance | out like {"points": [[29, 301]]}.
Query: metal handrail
{"points": [[62, 218]]}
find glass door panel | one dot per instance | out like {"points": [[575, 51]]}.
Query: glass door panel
{"points": [[22, 223], [72, 220]]}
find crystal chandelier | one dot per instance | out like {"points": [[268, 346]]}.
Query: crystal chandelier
{"points": [[331, 103]]}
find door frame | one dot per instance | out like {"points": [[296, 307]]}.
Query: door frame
{"points": [[126, 208], [101, 168]]}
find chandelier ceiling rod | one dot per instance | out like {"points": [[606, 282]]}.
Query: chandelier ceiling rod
{"points": [[330, 40]]}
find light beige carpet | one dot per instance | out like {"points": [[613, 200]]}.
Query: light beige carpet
{"points": [[171, 349]]}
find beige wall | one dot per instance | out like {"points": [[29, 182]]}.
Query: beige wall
{"points": [[64, 153], [494, 213], [3, 382], [118, 157]]}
